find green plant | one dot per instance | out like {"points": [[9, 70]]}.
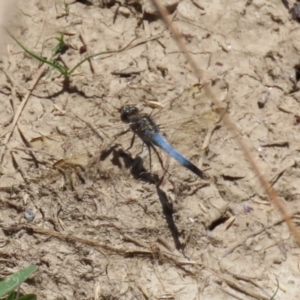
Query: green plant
{"points": [[54, 63], [8, 285], [62, 69], [61, 46], [273, 297]]}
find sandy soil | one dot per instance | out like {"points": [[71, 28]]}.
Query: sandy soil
{"points": [[101, 229]]}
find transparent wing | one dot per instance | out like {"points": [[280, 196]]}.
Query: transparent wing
{"points": [[187, 120], [77, 154], [77, 147]]}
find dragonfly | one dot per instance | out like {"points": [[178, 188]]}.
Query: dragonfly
{"points": [[176, 126], [148, 131]]}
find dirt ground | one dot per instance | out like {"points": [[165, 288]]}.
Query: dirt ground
{"points": [[98, 228]]}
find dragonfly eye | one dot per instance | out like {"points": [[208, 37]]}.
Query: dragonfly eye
{"points": [[127, 112]]}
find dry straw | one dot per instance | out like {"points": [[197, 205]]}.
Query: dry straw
{"points": [[200, 74]]}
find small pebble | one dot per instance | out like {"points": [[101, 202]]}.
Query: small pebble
{"points": [[124, 11], [29, 215], [263, 99]]}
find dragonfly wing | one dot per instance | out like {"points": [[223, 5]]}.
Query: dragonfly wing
{"points": [[79, 154], [57, 147], [187, 119], [75, 146]]}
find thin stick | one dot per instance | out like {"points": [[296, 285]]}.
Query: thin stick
{"points": [[244, 239], [19, 111], [227, 120], [91, 62], [127, 47], [40, 34]]}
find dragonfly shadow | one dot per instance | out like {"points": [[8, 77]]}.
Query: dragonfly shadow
{"points": [[123, 159], [168, 212], [68, 88]]}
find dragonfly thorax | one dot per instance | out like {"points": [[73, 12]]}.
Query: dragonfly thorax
{"points": [[141, 124]]}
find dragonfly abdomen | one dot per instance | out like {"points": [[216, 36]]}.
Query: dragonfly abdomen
{"points": [[162, 143]]}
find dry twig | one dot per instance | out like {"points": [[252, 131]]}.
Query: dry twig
{"points": [[19, 111], [227, 120]]}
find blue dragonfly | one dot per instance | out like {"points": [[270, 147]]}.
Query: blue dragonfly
{"points": [[144, 126], [189, 117], [176, 127]]}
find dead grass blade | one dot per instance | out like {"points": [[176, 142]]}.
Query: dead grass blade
{"points": [[200, 74], [20, 110]]}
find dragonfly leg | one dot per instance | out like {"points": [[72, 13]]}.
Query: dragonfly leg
{"points": [[116, 136], [157, 154], [149, 146], [132, 142], [150, 157]]}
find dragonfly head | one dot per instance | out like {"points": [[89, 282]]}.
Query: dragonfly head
{"points": [[128, 111]]}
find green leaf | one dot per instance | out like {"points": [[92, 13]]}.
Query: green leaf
{"points": [[28, 297], [273, 297], [11, 296], [57, 66], [60, 45], [13, 281]]}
